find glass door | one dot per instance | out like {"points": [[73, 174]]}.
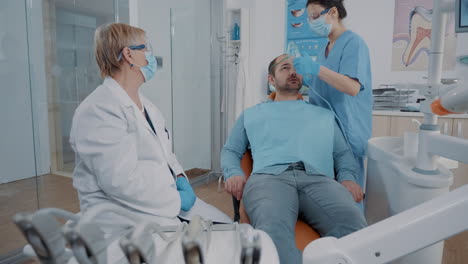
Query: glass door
{"points": [[17, 149], [74, 73], [47, 68]]}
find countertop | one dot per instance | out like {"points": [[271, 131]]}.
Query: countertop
{"points": [[411, 114]]}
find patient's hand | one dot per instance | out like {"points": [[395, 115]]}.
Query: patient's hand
{"points": [[354, 189], [235, 186]]}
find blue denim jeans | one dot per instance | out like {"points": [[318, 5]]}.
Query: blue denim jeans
{"points": [[274, 202]]}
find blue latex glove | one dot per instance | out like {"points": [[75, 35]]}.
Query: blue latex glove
{"points": [[187, 195], [305, 66]]}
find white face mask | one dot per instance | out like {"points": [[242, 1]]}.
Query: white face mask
{"points": [[320, 27], [150, 69]]}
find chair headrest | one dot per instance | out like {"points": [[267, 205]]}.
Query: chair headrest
{"points": [[272, 96]]}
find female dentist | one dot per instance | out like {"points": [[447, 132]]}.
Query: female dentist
{"points": [[342, 76], [122, 147]]}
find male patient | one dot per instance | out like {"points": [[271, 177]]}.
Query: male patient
{"points": [[303, 166]]}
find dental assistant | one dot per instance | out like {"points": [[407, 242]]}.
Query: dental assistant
{"points": [[341, 75], [122, 147]]}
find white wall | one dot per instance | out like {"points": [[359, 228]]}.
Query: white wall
{"points": [[371, 19], [182, 90], [155, 20], [264, 40], [26, 150], [16, 134], [374, 20], [191, 72], [38, 87]]}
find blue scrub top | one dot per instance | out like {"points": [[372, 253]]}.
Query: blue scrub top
{"points": [[349, 56]]}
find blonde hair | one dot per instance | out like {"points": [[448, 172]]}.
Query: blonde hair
{"points": [[109, 40]]}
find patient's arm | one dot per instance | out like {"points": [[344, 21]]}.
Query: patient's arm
{"points": [[231, 155], [345, 165], [343, 158], [354, 189]]}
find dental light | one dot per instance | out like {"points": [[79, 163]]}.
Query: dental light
{"points": [[455, 101]]}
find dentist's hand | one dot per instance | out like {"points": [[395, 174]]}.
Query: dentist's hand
{"points": [[354, 189], [305, 65], [187, 195], [235, 186]]}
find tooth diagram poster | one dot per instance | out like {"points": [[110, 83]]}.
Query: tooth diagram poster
{"points": [[412, 37]]}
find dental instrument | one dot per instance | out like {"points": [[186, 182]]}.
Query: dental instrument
{"points": [[42, 231]]}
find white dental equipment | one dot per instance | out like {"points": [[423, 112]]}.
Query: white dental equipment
{"points": [[199, 242], [42, 231], [87, 243], [139, 246], [396, 236], [195, 241], [440, 213]]}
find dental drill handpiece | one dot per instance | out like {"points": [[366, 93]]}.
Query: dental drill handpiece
{"points": [[250, 246], [191, 248], [42, 231]]}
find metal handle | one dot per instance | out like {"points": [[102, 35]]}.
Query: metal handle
{"points": [[448, 81], [459, 129]]}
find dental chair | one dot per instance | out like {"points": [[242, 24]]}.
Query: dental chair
{"points": [[304, 233]]}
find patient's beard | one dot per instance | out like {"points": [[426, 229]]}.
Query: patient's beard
{"points": [[289, 88]]}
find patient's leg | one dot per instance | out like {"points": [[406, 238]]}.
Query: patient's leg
{"points": [[271, 202], [328, 206]]}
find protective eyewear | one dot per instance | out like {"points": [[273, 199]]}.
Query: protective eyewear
{"points": [[145, 47], [315, 16]]}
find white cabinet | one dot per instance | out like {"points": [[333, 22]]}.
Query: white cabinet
{"points": [[396, 126], [380, 126], [446, 125], [401, 124]]}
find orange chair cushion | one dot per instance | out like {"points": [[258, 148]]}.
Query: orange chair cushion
{"points": [[272, 96], [304, 233]]}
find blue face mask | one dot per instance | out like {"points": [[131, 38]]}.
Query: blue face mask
{"points": [[150, 69], [320, 27]]}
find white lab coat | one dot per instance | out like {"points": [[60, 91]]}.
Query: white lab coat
{"points": [[120, 160]]}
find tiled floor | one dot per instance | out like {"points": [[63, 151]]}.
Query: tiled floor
{"points": [[57, 191], [15, 197], [20, 196]]}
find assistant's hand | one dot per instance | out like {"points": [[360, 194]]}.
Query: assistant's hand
{"points": [[305, 65], [187, 195], [235, 186], [354, 189]]}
